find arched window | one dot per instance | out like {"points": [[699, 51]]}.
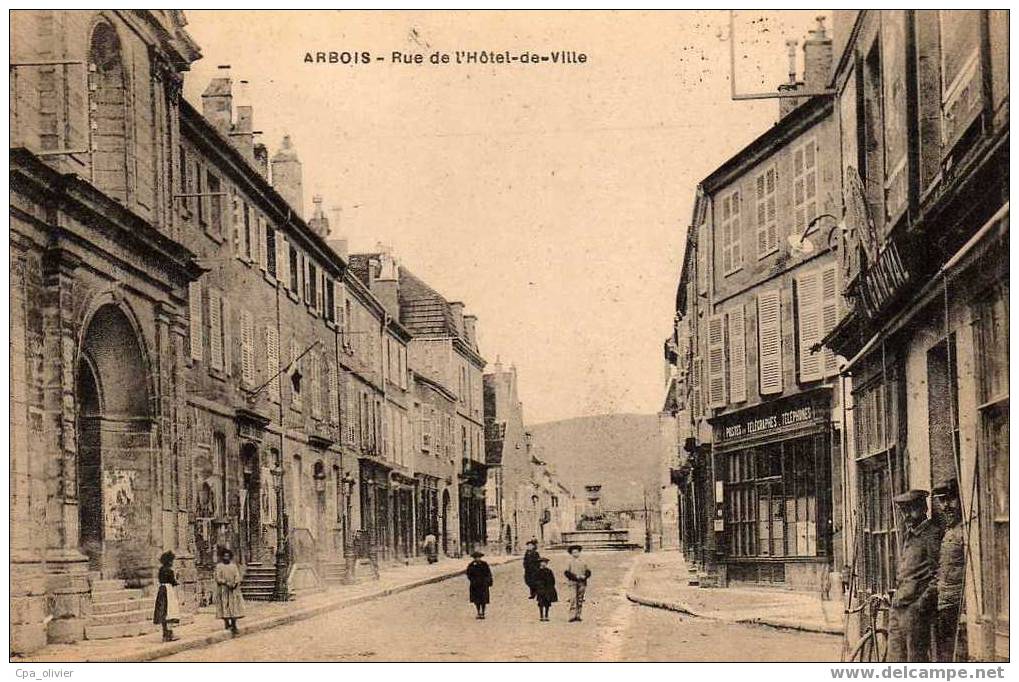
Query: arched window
{"points": [[108, 117]]}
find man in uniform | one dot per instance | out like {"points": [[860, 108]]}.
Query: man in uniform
{"points": [[912, 613], [950, 571]]}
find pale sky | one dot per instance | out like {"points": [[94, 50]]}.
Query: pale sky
{"points": [[553, 200]]}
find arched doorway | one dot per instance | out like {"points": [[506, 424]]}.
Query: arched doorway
{"points": [[445, 522], [113, 423], [109, 113], [251, 510]]}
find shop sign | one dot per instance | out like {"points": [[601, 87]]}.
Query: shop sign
{"points": [[769, 419]]}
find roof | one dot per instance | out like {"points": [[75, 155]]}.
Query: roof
{"points": [[423, 310]]}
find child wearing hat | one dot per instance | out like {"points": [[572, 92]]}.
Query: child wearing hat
{"points": [[479, 575], [544, 588], [229, 601], [532, 562], [578, 573], [167, 611]]}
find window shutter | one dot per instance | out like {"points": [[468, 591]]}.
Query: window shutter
{"points": [[247, 348], [736, 233], [696, 390], [716, 361], [227, 338], [263, 258], [808, 320], [215, 330], [737, 355], [769, 339], [195, 318], [282, 260], [235, 222], [702, 259], [829, 313], [272, 354], [295, 396], [334, 393], [315, 385]]}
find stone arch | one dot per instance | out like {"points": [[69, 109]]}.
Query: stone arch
{"points": [[115, 442], [108, 92]]}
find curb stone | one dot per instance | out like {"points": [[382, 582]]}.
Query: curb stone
{"points": [[185, 644]]}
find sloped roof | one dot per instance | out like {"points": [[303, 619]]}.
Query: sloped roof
{"points": [[423, 310]]}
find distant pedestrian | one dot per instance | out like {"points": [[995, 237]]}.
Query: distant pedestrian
{"points": [[544, 586], [167, 611], [480, 577], [578, 573], [532, 562], [229, 601], [430, 546]]}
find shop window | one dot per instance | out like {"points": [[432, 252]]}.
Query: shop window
{"points": [[882, 475], [992, 384]]}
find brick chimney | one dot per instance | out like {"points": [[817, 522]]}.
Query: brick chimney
{"points": [[217, 101], [817, 58], [242, 132], [386, 285], [470, 327], [457, 309], [262, 160], [286, 176], [318, 221], [787, 104]]}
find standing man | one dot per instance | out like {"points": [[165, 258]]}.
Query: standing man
{"points": [[950, 571], [577, 573], [532, 562], [914, 601]]}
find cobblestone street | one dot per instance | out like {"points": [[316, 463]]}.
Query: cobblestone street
{"points": [[435, 623]]}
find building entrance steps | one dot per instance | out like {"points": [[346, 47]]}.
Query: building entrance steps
{"points": [[663, 580]]}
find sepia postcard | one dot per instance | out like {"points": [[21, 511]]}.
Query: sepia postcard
{"points": [[508, 336]]}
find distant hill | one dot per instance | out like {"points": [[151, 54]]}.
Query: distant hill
{"points": [[622, 452]]}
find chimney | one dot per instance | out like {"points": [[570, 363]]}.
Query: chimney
{"points": [[457, 310], [386, 285], [318, 222], [286, 176], [817, 58], [470, 325], [787, 104], [217, 100], [262, 160]]}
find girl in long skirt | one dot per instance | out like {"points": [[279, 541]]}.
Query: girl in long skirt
{"points": [[544, 588], [480, 577], [229, 601], [167, 611]]}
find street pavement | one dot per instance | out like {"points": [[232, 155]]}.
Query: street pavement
{"points": [[436, 623]]}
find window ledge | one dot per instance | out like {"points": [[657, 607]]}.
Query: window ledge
{"points": [[213, 236], [292, 296], [269, 277], [733, 271], [762, 256]]}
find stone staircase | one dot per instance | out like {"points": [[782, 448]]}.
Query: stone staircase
{"points": [[259, 583], [118, 611]]}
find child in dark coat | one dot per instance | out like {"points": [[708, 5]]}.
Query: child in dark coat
{"points": [[480, 577], [167, 610], [544, 587]]}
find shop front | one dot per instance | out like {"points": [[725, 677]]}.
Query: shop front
{"points": [[773, 491], [375, 499]]}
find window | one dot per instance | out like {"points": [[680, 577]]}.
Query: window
{"points": [[215, 204], [272, 354], [769, 341], [702, 259], [943, 410], [246, 216], [767, 225], [201, 200], [312, 294], [185, 181], [893, 52], [808, 325], [296, 390], [882, 476], [195, 320], [247, 348], [736, 319], [330, 305], [871, 132], [295, 270], [804, 185], [716, 361], [270, 249], [729, 226], [992, 386], [960, 70], [216, 326]]}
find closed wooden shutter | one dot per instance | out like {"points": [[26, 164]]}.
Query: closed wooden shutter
{"points": [[295, 396], [702, 259], [227, 338], [215, 330], [272, 364], [829, 313], [334, 393], [716, 361], [263, 258], [195, 319], [236, 224], [804, 185], [808, 322], [698, 407], [767, 226], [247, 348], [315, 385], [737, 355], [769, 340], [282, 260]]}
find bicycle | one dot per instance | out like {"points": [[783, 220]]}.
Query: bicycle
{"points": [[873, 645]]}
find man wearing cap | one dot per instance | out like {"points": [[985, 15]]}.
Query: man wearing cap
{"points": [[912, 612], [950, 571]]}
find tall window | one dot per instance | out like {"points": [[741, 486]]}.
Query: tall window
{"points": [[804, 185], [201, 200], [270, 249], [882, 475], [295, 271], [246, 213], [213, 187], [766, 194], [732, 252], [992, 384], [109, 115]]}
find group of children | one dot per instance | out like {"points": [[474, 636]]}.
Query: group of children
{"points": [[539, 579], [229, 601]]}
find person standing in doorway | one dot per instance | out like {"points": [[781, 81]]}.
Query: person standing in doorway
{"points": [[430, 547], [479, 575], [915, 598], [229, 601], [532, 562], [167, 611], [544, 587], [578, 573], [950, 572]]}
